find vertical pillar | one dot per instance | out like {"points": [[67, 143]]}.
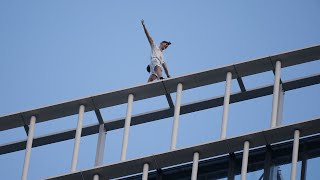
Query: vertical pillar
{"points": [[126, 128], [268, 168], [100, 145], [273, 173], [226, 106], [195, 166], [96, 177], [275, 101], [77, 139], [232, 165], [145, 171], [304, 164], [245, 157], [160, 175], [28, 148], [280, 106], [176, 117], [295, 151]]}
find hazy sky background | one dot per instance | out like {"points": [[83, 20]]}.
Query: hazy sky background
{"points": [[55, 51]]}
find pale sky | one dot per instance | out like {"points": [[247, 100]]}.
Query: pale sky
{"points": [[56, 51]]}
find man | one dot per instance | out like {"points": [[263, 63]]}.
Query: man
{"points": [[157, 59]]}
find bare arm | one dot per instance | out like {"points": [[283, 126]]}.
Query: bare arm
{"points": [[164, 65], [147, 33]]}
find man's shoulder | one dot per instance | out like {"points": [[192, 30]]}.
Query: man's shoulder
{"points": [[154, 45]]}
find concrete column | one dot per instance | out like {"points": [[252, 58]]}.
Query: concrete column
{"points": [[295, 154], [245, 158], [176, 117], [28, 148], [145, 171], [77, 139], [226, 106], [195, 166], [100, 146], [96, 177], [280, 106], [126, 128], [275, 101], [274, 169]]}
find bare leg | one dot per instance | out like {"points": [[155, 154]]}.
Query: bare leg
{"points": [[158, 70], [152, 78]]}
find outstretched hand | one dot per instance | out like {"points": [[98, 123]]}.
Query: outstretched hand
{"points": [[142, 22]]}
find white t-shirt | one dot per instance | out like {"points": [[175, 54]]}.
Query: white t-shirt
{"points": [[156, 53]]}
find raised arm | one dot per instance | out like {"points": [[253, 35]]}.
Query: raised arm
{"points": [[147, 33]]}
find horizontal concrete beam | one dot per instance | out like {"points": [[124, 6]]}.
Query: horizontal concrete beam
{"points": [[185, 155], [154, 89], [161, 114]]}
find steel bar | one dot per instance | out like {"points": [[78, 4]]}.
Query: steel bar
{"points": [[168, 96], [240, 82], [99, 116]]}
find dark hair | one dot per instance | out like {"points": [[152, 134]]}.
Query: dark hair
{"points": [[168, 42]]}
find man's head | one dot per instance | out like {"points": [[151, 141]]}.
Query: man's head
{"points": [[164, 45]]}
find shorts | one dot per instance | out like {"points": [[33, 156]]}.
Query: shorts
{"points": [[154, 62]]}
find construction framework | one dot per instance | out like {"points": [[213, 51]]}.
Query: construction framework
{"points": [[230, 153]]}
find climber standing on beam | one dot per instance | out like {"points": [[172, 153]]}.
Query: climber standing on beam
{"points": [[157, 59]]}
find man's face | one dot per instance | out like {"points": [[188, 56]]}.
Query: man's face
{"points": [[164, 46]]}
